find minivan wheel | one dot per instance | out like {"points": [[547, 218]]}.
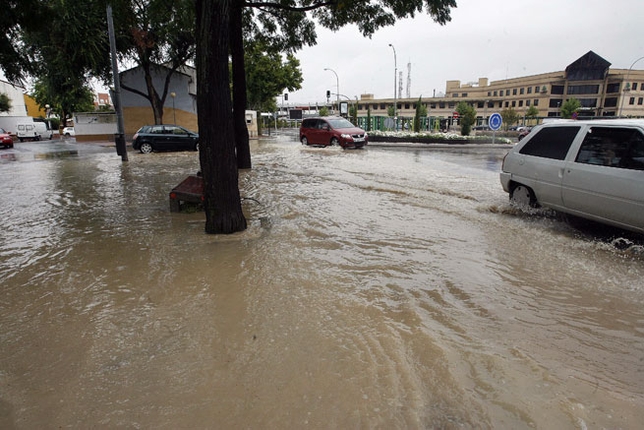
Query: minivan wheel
{"points": [[523, 197], [145, 148], [335, 141], [197, 146], [304, 140]]}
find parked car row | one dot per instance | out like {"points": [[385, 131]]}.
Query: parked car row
{"points": [[590, 169]]}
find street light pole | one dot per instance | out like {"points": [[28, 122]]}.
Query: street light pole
{"points": [[627, 87], [337, 87], [174, 115], [395, 74]]}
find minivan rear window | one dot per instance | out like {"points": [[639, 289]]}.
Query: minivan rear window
{"points": [[551, 142]]}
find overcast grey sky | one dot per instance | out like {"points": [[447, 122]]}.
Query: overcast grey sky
{"points": [[496, 39]]}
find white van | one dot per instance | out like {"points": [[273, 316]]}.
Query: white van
{"points": [[33, 131], [590, 169]]}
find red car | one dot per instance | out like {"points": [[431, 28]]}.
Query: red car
{"points": [[5, 139], [325, 131]]}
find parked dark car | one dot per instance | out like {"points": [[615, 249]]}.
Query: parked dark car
{"points": [[165, 138], [332, 130], [5, 139]]}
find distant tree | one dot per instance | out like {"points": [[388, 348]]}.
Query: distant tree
{"points": [[532, 112], [324, 111], [570, 107], [5, 103], [510, 117], [268, 72], [157, 33], [63, 100], [421, 112], [353, 114], [467, 115], [368, 128], [391, 111]]}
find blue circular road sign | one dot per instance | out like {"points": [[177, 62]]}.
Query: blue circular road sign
{"points": [[495, 121]]}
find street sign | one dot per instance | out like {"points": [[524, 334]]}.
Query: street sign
{"points": [[495, 121]]}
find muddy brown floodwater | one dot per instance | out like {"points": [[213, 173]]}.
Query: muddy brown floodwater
{"points": [[381, 288]]}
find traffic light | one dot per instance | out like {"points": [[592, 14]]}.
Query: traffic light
{"points": [[328, 94]]}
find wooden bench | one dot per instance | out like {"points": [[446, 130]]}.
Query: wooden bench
{"points": [[189, 190]]}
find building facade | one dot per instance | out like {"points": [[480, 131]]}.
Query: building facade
{"points": [[602, 92]]}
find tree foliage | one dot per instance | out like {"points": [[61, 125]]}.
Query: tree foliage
{"points": [[158, 33], [269, 72], [532, 112], [421, 111], [510, 117], [570, 107], [467, 115], [5, 103]]}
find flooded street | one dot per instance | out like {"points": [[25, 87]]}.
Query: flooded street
{"points": [[379, 288]]}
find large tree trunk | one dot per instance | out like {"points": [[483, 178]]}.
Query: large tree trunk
{"points": [[239, 86], [222, 201]]}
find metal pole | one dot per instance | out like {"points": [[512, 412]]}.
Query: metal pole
{"points": [[337, 88], [119, 137], [395, 73]]}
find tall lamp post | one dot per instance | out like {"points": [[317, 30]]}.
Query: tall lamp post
{"points": [[337, 87], [627, 86], [395, 74], [174, 114]]}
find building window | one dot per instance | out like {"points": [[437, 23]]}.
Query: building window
{"points": [[455, 95], [451, 105], [583, 89], [406, 105], [555, 103], [514, 103], [536, 89], [490, 104], [640, 101], [631, 101], [520, 103], [527, 102], [507, 104], [634, 88], [612, 88], [441, 105], [495, 93], [588, 103], [536, 102], [610, 102], [529, 90], [522, 90], [479, 104], [464, 95], [382, 106], [514, 91], [489, 93], [507, 92], [432, 105], [557, 89]]}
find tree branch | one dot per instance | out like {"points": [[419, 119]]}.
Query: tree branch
{"points": [[290, 8]]}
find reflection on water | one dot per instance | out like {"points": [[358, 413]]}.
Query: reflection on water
{"points": [[376, 288]]}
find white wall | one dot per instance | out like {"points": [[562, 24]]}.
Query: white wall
{"points": [[15, 94]]}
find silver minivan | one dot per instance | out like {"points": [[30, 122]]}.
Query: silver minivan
{"points": [[590, 169]]}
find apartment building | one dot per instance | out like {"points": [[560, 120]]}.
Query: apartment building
{"points": [[602, 92]]}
